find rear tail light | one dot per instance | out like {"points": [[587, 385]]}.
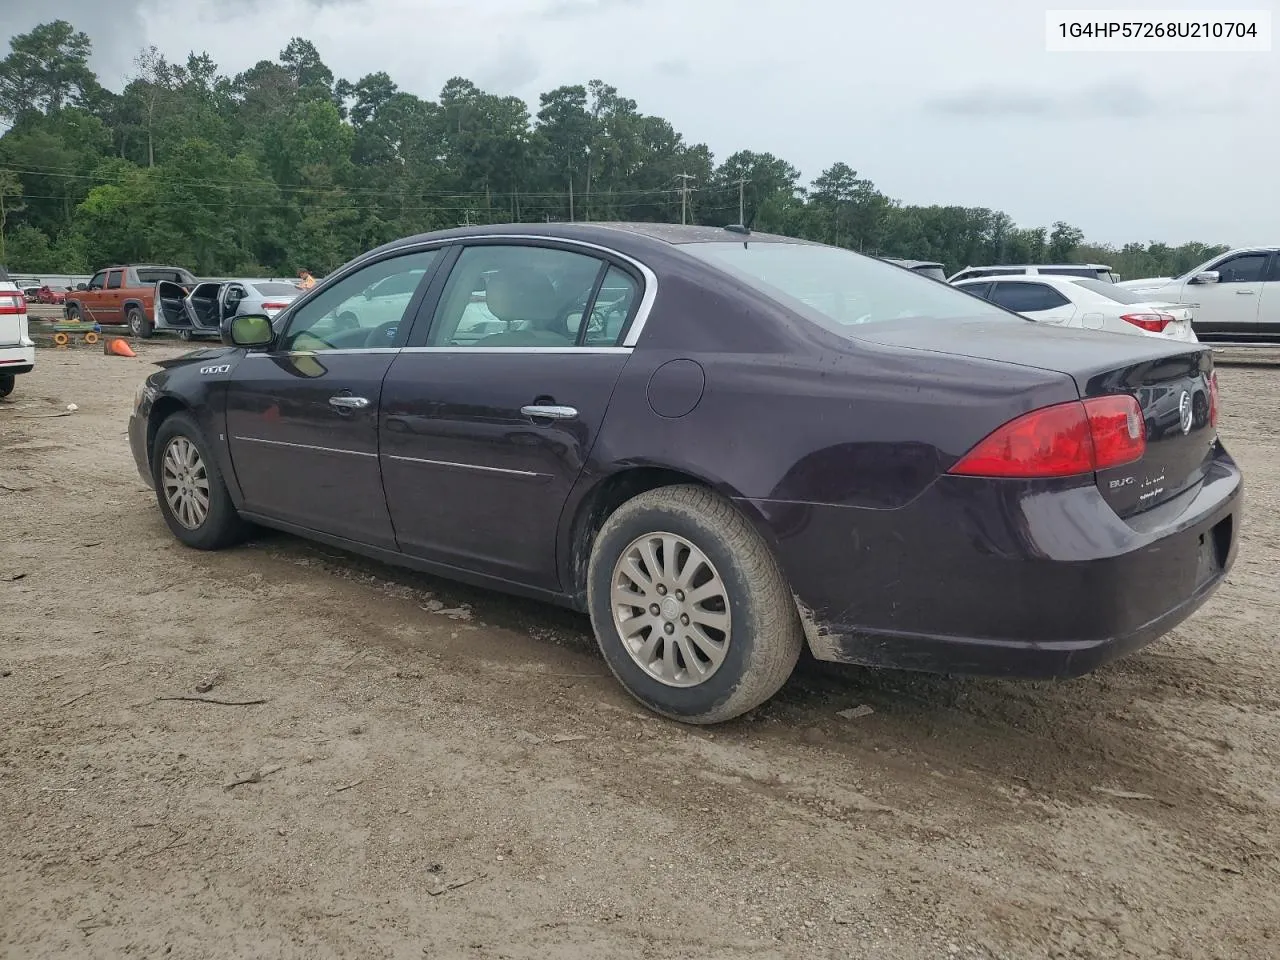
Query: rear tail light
{"points": [[1213, 399], [12, 303], [1064, 440], [1153, 322], [275, 306]]}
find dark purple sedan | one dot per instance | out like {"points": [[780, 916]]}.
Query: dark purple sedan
{"points": [[721, 445]]}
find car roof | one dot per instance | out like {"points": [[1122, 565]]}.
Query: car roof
{"points": [[624, 237], [1039, 266]]}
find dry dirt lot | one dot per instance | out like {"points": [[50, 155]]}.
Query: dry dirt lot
{"points": [[437, 771]]}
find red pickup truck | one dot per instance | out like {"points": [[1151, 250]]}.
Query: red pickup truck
{"points": [[124, 295]]}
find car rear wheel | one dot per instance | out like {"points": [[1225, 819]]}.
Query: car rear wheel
{"points": [[7, 381], [138, 323], [189, 487], [689, 606]]}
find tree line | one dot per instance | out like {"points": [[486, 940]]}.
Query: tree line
{"points": [[285, 165]]}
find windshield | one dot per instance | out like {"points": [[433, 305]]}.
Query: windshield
{"points": [[1108, 290], [277, 289], [838, 289]]}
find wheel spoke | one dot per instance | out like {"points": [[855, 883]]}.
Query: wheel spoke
{"points": [[694, 562], [712, 588], [669, 665], [620, 596], [714, 619], [650, 557], [713, 650], [631, 570]]}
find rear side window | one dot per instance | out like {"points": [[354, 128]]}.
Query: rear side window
{"points": [[114, 279], [979, 290], [155, 275], [1027, 297], [838, 289]]}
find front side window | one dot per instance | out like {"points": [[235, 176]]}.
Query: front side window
{"points": [[1246, 268], [99, 280], [838, 289], [363, 310], [1027, 297], [510, 295]]}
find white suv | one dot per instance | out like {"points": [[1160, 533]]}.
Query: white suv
{"points": [[17, 349], [1238, 293]]}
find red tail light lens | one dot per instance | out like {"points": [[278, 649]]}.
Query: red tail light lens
{"points": [[12, 303], [1064, 440], [275, 306], [1154, 322], [1213, 399]]}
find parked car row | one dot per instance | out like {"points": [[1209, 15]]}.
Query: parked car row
{"points": [[1231, 298]]}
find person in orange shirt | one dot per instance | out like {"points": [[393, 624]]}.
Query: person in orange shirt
{"points": [[305, 280]]}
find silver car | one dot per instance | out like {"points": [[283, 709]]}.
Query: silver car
{"points": [[202, 311]]}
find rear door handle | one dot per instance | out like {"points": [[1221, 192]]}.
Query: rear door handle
{"points": [[348, 403], [1244, 293], [548, 412]]}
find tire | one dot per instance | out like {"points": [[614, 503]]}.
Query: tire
{"points": [[758, 643], [7, 382], [220, 526], [138, 323]]}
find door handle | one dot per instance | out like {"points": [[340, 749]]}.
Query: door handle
{"points": [[1244, 293], [348, 403], [548, 412]]}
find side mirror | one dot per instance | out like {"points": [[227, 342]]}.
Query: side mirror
{"points": [[1206, 276], [251, 330], [82, 286]]}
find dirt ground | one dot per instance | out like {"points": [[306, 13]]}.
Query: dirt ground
{"points": [[443, 772]]}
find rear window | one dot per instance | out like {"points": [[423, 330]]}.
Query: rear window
{"points": [[932, 272], [157, 274], [1108, 290], [838, 289], [277, 289]]}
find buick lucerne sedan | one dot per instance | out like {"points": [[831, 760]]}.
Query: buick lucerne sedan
{"points": [[721, 446]]}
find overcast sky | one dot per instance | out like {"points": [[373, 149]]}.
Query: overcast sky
{"points": [[935, 101]]}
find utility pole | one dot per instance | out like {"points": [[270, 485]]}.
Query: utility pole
{"points": [[684, 196], [742, 196], [571, 196]]}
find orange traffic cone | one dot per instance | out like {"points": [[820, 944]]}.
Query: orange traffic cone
{"points": [[117, 347]]}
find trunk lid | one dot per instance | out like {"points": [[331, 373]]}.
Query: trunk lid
{"points": [[1170, 380]]}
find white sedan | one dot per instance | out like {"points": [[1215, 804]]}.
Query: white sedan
{"points": [[1086, 304]]}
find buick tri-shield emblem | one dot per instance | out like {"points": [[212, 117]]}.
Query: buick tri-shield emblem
{"points": [[1184, 411]]}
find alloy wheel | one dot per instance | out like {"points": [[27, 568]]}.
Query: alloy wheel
{"points": [[185, 483], [671, 609]]}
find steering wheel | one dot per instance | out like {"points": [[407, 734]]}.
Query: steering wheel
{"points": [[383, 335]]}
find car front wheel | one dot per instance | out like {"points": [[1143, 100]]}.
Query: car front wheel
{"points": [[7, 381], [189, 487], [689, 606]]}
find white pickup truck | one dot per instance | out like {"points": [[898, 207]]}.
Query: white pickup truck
{"points": [[1238, 293], [17, 349]]}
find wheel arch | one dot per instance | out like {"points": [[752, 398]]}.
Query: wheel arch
{"points": [[611, 491], [161, 410], [134, 302]]}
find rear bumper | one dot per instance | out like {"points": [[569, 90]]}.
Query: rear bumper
{"points": [[138, 444], [16, 359], [975, 577]]}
